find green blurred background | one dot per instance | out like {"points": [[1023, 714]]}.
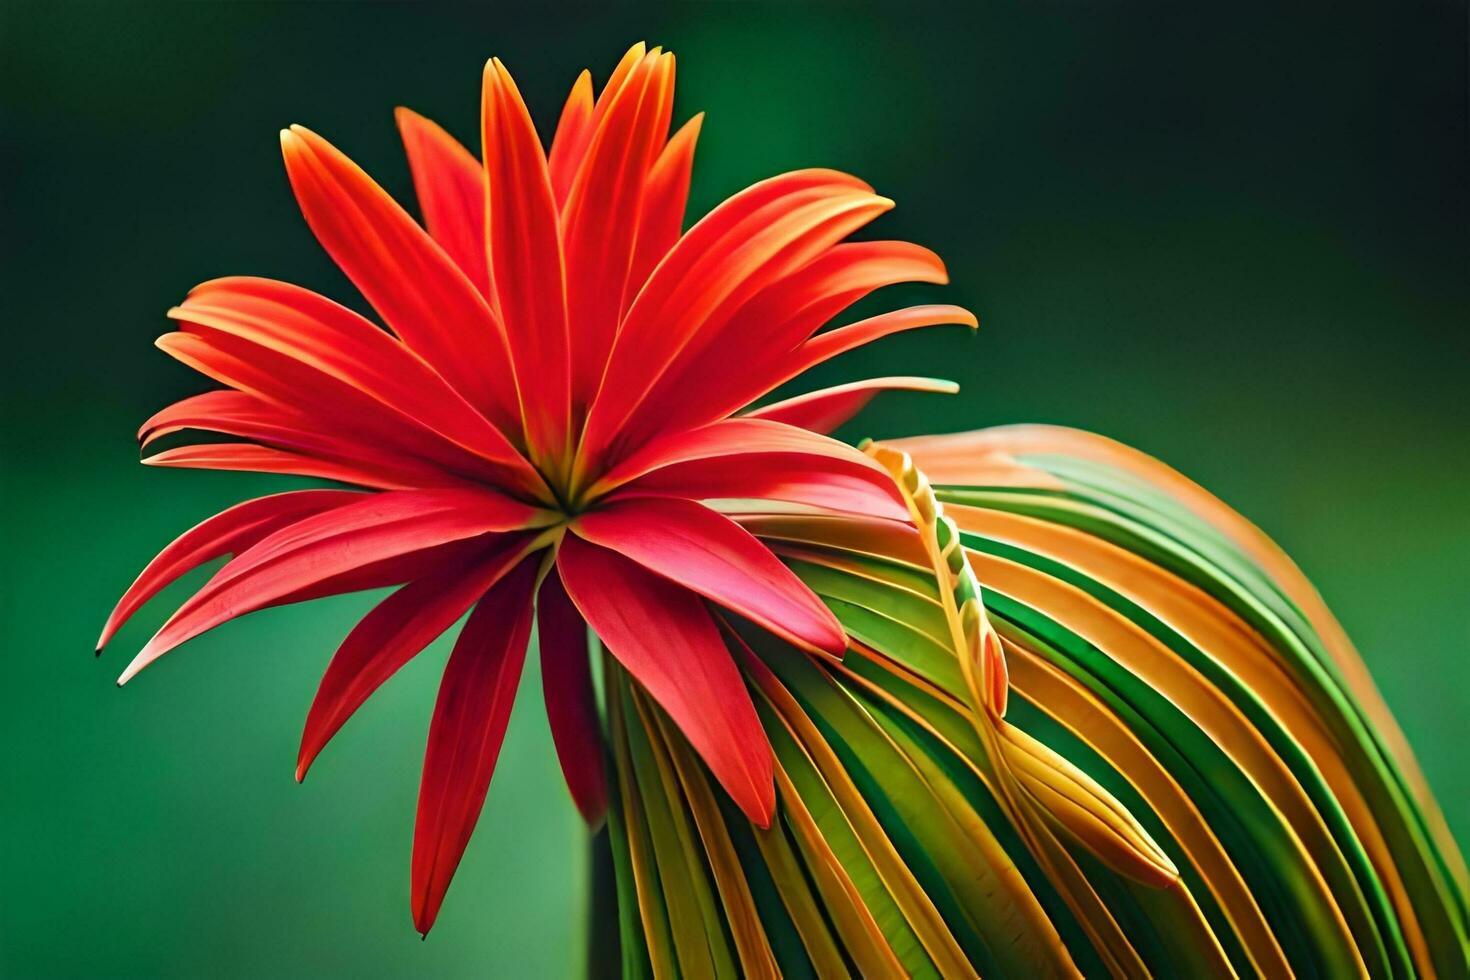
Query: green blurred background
{"points": [[1237, 240]]}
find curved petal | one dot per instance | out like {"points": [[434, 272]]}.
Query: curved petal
{"points": [[789, 311], [618, 77], [738, 483], [665, 195], [396, 630], [724, 392], [760, 459], [707, 552], [571, 702], [579, 118], [825, 346], [229, 532], [405, 274], [708, 270], [730, 437], [573, 133], [332, 405], [250, 458], [752, 354], [465, 735], [600, 219], [236, 413], [769, 245], [826, 409], [325, 546], [666, 639], [526, 261], [450, 185], [335, 341], [395, 570]]}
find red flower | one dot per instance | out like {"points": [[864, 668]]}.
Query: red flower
{"points": [[548, 423]]}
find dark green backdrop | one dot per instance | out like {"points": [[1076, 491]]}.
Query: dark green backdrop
{"points": [[1237, 241]]}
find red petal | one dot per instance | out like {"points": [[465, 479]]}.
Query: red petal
{"points": [[333, 340], [618, 77], [227, 533], [322, 547], [571, 705], [525, 254], [470, 717], [767, 246], [573, 133], [249, 458], [600, 219], [701, 550], [752, 354], [761, 459], [450, 184], [405, 274], [790, 311], [666, 639], [394, 633], [665, 194], [397, 569], [720, 262], [807, 481], [828, 408], [294, 440], [579, 118], [732, 437], [825, 346], [723, 391], [334, 406]]}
